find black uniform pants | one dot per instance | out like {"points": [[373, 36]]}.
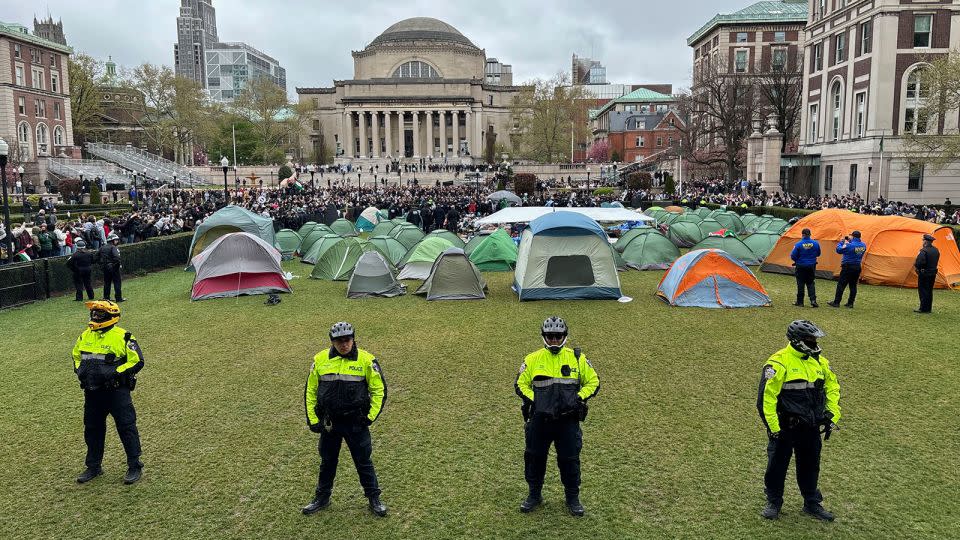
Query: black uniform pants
{"points": [[804, 441], [119, 404], [358, 441], [849, 275], [925, 290], [806, 278], [81, 281], [566, 436], [111, 276]]}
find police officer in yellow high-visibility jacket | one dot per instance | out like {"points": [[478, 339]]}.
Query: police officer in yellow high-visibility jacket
{"points": [[106, 359], [798, 394], [554, 383], [344, 394]]}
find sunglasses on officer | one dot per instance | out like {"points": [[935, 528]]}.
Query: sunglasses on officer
{"points": [[553, 338]]}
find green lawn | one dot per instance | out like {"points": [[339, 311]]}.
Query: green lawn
{"points": [[673, 447]]}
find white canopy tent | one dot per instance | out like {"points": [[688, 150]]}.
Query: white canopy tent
{"points": [[525, 214]]}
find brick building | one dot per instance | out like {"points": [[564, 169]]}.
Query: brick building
{"points": [[860, 87], [34, 95], [638, 125]]}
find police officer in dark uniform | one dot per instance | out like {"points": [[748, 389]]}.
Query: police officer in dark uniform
{"points": [[804, 256], [853, 251], [926, 266], [81, 266], [555, 384], [798, 395], [344, 394], [106, 359], [109, 258]]}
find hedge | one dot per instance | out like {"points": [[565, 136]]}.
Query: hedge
{"points": [[41, 278]]}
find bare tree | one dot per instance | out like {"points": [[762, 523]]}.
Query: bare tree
{"points": [[720, 109], [85, 108], [779, 94], [933, 96]]}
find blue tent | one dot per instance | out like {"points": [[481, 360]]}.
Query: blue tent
{"points": [[711, 278], [565, 255]]}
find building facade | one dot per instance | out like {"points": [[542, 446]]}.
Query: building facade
{"points": [[643, 137], [419, 90], [35, 116], [196, 30], [861, 95], [618, 113]]}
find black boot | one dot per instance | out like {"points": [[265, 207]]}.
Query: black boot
{"points": [[574, 506], [134, 472], [771, 511], [377, 507], [818, 512], [533, 500], [317, 504], [813, 303], [89, 474]]}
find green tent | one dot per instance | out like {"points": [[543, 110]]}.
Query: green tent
{"points": [[710, 225], [449, 236], [630, 235], [287, 242], [453, 277], [684, 234], [653, 208], [227, 220], [315, 234], [337, 262], [650, 250], [416, 264], [496, 253], [703, 212], [390, 248], [731, 221], [475, 241], [306, 228], [775, 225], [747, 220], [373, 277], [692, 217], [400, 221], [408, 235], [318, 247], [732, 245], [760, 243], [343, 227], [668, 218], [383, 228]]}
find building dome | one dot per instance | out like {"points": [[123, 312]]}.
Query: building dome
{"points": [[420, 29]]}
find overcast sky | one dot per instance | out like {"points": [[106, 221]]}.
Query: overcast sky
{"points": [[642, 43]]}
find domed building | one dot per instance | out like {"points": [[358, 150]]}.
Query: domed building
{"points": [[420, 89]]}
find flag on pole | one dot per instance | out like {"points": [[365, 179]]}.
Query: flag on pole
{"points": [[881, 144]]}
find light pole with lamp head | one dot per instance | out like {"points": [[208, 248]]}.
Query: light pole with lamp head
{"points": [[8, 237], [588, 179], [225, 163], [20, 171]]}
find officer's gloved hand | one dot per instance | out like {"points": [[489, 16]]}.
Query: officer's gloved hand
{"points": [[774, 436], [834, 427], [316, 428], [366, 421]]}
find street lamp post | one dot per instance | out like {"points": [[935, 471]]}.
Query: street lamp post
{"points": [[136, 196], [225, 163], [358, 182], [8, 238], [20, 171], [588, 180]]}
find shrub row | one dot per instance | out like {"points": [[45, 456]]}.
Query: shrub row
{"points": [[41, 278]]}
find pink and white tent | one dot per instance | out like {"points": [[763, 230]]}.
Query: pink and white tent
{"points": [[237, 264]]}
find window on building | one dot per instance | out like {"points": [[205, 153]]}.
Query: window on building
{"points": [[836, 96], [55, 83], [417, 70], [841, 41], [659, 141], [37, 78], [861, 112], [316, 125], [853, 178], [822, 4], [56, 110], [814, 118], [23, 133], [58, 136], [672, 122], [639, 142], [36, 107], [740, 61], [921, 30], [22, 105], [915, 119], [915, 180], [34, 56], [741, 37], [779, 37], [19, 71], [629, 108], [866, 37], [828, 178], [669, 141], [42, 139], [779, 59], [818, 56], [490, 99], [16, 50]]}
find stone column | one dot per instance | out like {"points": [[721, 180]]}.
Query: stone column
{"points": [[375, 118], [455, 124], [468, 131], [401, 128], [389, 133], [363, 134], [429, 153], [347, 138], [477, 150], [416, 134], [443, 134]]}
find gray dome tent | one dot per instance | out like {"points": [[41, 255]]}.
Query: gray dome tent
{"points": [[373, 277]]}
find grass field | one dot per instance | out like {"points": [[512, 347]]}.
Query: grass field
{"points": [[673, 447]]}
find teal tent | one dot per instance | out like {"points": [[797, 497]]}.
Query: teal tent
{"points": [[760, 243], [496, 253], [343, 227], [649, 250], [231, 219]]}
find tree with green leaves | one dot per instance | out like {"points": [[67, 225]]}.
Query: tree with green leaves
{"points": [[546, 113], [85, 109], [266, 107]]}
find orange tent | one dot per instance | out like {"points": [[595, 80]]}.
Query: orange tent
{"points": [[892, 246], [675, 209]]}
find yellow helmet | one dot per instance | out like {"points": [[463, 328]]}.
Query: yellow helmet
{"points": [[103, 314]]}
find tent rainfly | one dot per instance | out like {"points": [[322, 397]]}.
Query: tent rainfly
{"points": [[319, 247], [496, 253], [237, 264], [337, 262], [711, 278], [227, 220], [369, 219], [649, 250], [343, 227], [372, 277], [287, 243], [453, 277], [390, 247], [408, 235], [448, 236], [419, 260]]}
